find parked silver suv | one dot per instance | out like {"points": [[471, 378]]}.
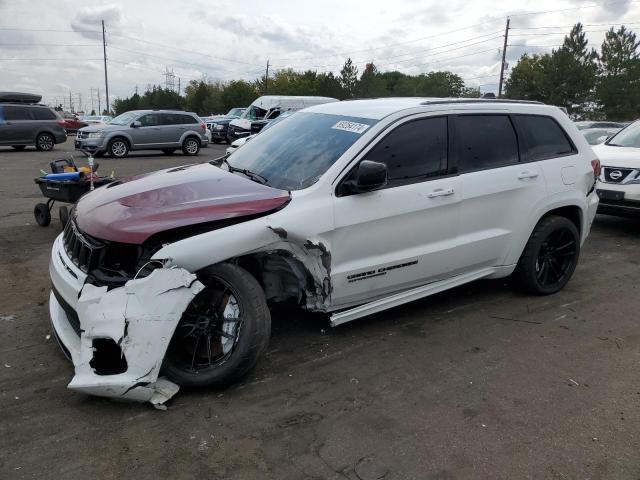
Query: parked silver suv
{"points": [[165, 130]]}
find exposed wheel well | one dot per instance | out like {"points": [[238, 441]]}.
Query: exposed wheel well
{"points": [[572, 213], [282, 277]]}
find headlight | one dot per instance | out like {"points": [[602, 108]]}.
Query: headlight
{"points": [[95, 134], [219, 127]]}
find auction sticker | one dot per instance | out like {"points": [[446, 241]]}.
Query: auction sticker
{"points": [[351, 126]]}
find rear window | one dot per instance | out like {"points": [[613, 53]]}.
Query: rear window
{"points": [[43, 113], [543, 137], [16, 112], [186, 119], [485, 141]]}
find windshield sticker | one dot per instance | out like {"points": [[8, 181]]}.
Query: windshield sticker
{"points": [[354, 127]]}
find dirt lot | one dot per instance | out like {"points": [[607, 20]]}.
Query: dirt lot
{"points": [[479, 382]]}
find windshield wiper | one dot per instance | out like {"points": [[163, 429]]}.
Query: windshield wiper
{"points": [[256, 177]]}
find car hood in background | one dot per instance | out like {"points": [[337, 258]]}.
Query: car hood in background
{"points": [[610, 156], [132, 210]]}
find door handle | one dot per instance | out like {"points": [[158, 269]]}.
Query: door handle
{"points": [[441, 192], [526, 174]]}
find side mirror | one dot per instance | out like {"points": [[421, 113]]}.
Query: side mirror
{"points": [[136, 124], [368, 177]]}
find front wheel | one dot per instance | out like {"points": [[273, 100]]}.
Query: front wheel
{"points": [[223, 331], [191, 146], [118, 148], [550, 256]]}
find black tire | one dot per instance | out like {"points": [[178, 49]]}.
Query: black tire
{"points": [[550, 256], [250, 334], [18, 147], [168, 151], [42, 214], [118, 148], [98, 154], [63, 213], [191, 146], [216, 141], [45, 142]]}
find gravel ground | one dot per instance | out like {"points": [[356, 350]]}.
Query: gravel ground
{"points": [[477, 382]]}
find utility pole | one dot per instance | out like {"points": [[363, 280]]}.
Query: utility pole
{"points": [[104, 51], [266, 79], [179, 85], [504, 57], [99, 109], [70, 103]]}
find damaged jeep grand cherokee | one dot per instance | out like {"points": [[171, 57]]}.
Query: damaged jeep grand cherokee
{"points": [[347, 208]]}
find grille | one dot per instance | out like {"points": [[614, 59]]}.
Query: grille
{"points": [[81, 135], [616, 175], [84, 251]]}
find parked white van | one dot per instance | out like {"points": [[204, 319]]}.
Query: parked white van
{"points": [[266, 108]]}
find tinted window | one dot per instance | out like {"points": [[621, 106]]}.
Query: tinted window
{"points": [[169, 119], [41, 113], [485, 141], [13, 112], [543, 137], [186, 118], [415, 150], [149, 120]]}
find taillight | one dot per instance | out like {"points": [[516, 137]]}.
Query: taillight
{"points": [[597, 169], [203, 127], [62, 123]]}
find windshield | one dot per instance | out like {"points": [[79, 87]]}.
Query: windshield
{"points": [[124, 119], [235, 112], [293, 154], [254, 113], [628, 137]]}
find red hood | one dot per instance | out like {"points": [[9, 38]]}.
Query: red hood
{"points": [[132, 210]]}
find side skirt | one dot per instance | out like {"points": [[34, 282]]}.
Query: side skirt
{"points": [[408, 296]]}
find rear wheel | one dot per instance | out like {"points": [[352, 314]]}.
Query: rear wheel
{"points": [[191, 146], [118, 148], [45, 142], [42, 214], [550, 257], [222, 333], [18, 147], [217, 141]]}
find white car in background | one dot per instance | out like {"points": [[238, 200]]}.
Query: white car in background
{"points": [[97, 119], [619, 185]]}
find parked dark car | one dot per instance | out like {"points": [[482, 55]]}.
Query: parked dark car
{"points": [[220, 126], [24, 122]]}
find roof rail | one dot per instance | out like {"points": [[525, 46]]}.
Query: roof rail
{"points": [[480, 100]]}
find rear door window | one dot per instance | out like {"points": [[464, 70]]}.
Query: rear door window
{"points": [[16, 112], [414, 151], [543, 137], [43, 113], [485, 141]]}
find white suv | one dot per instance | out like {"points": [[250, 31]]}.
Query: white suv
{"points": [[619, 186], [346, 208]]}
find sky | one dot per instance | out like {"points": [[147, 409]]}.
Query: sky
{"points": [[61, 52]]}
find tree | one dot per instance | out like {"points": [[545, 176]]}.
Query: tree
{"points": [[619, 81], [371, 84], [349, 79], [527, 81]]}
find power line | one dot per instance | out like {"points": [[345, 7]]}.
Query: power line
{"points": [[47, 30], [48, 45]]}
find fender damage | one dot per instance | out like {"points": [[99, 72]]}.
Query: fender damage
{"points": [[125, 333]]}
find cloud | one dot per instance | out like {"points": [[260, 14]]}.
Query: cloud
{"points": [[88, 20]]}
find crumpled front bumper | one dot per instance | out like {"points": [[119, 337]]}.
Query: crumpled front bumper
{"points": [[136, 321]]}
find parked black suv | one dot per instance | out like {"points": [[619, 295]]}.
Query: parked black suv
{"points": [[23, 122]]}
